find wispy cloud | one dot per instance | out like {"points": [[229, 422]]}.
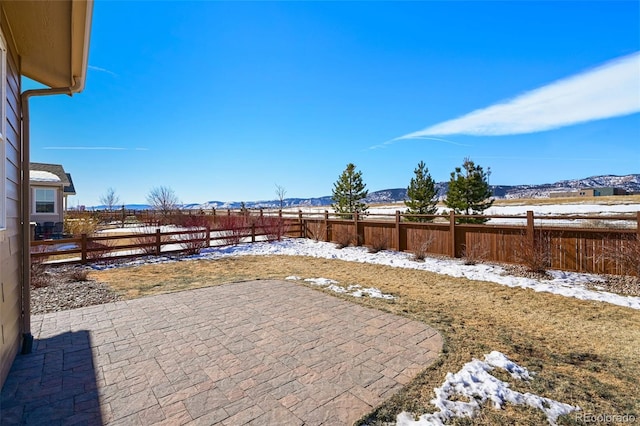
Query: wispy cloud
{"points": [[609, 90], [93, 67]]}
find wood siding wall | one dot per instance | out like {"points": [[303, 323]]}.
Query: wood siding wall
{"points": [[11, 240]]}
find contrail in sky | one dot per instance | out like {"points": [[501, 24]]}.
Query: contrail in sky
{"points": [[94, 148], [609, 90], [93, 67], [384, 144], [98, 148]]}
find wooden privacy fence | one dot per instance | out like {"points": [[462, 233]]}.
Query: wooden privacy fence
{"points": [[597, 250], [599, 244]]}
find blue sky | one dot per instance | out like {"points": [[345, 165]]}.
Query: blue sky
{"points": [[226, 100]]}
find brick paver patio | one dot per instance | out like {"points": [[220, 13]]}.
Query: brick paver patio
{"points": [[254, 353]]}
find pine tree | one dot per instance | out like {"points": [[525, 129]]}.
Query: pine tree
{"points": [[349, 192], [469, 192], [422, 194]]}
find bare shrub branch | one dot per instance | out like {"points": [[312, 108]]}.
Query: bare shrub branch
{"points": [[473, 254], [535, 253], [422, 251], [146, 239], [232, 228], [97, 250], [273, 227], [39, 275], [379, 243], [317, 229], [344, 239], [624, 253], [195, 239]]}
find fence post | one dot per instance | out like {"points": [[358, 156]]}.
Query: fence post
{"points": [[253, 232], [398, 231], [638, 227], [355, 222], [326, 225], [303, 225], [452, 232], [124, 216], [261, 212], [83, 247], [158, 242], [208, 236], [530, 232]]}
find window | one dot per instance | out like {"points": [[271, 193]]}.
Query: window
{"points": [[3, 126], [45, 200]]}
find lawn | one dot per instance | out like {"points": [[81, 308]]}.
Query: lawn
{"points": [[582, 353]]}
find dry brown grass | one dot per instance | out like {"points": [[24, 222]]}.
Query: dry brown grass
{"points": [[582, 353]]}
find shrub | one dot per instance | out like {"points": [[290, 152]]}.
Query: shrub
{"points": [[196, 238], [624, 253], [317, 230], [98, 250], [273, 227], [84, 223], [379, 243], [535, 253], [146, 239], [79, 275], [423, 249], [344, 239], [232, 229], [39, 273], [474, 253]]}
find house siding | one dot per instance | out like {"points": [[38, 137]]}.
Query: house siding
{"points": [[11, 240]]}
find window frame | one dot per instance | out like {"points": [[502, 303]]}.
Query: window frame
{"points": [[34, 204]]}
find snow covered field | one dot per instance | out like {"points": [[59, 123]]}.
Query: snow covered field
{"points": [[511, 209]]}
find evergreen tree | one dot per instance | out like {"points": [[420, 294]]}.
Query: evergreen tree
{"points": [[422, 194], [349, 192], [469, 191]]}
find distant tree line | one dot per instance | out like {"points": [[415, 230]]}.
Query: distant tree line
{"points": [[468, 194]]}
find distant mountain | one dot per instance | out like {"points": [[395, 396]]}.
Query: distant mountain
{"points": [[630, 183]]}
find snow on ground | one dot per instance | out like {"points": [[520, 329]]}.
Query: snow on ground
{"points": [[475, 384], [354, 290], [564, 283], [569, 284]]}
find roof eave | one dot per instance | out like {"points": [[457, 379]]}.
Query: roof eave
{"points": [[52, 40]]}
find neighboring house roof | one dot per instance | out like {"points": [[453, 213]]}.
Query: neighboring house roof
{"points": [[42, 176], [52, 39], [70, 189], [43, 172]]}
